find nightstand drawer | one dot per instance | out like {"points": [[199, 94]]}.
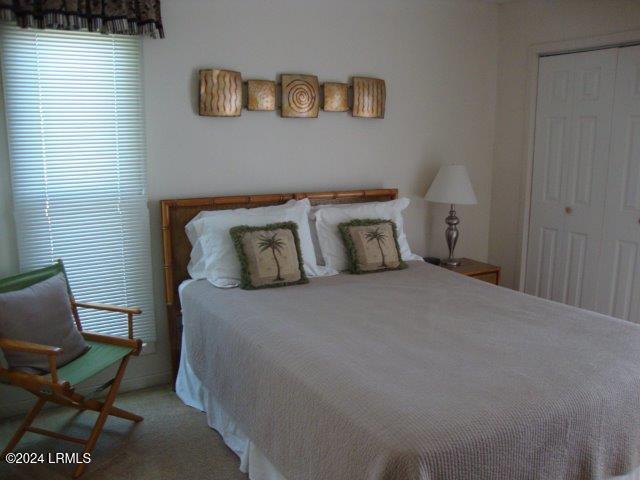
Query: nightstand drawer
{"points": [[487, 277], [475, 269]]}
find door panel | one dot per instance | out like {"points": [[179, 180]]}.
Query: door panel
{"points": [[574, 279], [582, 174], [619, 282], [631, 192], [553, 158], [584, 191], [573, 128], [621, 292], [551, 151], [547, 248]]}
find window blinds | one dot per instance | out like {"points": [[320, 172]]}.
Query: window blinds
{"points": [[75, 124]]}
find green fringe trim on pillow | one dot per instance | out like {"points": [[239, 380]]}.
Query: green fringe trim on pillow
{"points": [[245, 278], [352, 258]]}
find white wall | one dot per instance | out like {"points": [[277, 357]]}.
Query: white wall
{"points": [[522, 24], [437, 57]]}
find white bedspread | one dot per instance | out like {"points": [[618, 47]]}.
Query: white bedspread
{"points": [[194, 394], [252, 461], [201, 398]]}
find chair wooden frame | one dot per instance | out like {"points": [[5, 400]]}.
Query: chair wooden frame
{"points": [[51, 388]]}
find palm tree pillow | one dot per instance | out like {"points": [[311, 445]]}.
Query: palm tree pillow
{"points": [[372, 245], [269, 255]]}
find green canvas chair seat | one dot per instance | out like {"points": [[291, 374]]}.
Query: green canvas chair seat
{"points": [[99, 357], [96, 359], [58, 386]]}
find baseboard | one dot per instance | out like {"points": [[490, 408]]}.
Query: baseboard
{"points": [[128, 384]]}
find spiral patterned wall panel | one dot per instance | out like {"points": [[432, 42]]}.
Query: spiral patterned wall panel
{"points": [[300, 96], [220, 93]]}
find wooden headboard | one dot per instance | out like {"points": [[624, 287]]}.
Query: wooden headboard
{"points": [[176, 213]]}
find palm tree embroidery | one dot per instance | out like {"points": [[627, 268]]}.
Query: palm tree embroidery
{"points": [[276, 245], [379, 237]]}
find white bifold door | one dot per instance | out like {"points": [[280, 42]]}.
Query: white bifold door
{"points": [[584, 231]]}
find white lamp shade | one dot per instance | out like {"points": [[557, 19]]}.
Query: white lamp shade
{"points": [[452, 185]]}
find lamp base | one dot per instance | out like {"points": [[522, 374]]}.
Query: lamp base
{"points": [[452, 238], [451, 262]]}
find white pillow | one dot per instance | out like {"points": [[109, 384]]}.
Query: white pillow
{"points": [[328, 217], [213, 255]]}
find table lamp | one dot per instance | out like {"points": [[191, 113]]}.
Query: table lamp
{"points": [[452, 186]]}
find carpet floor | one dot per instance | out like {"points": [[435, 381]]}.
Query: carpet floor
{"points": [[172, 442]]}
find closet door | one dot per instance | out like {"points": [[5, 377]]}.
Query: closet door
{"points": [[573, 127], [619, 272]]}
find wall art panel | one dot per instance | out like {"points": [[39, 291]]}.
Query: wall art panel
{"points": [[336, 97], [369, 96], [220, 93], [300, 96], [261, 95]]}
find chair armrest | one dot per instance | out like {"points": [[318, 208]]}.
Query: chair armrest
{"points": [[109, 308], [29, 347], [37, 348], [113, 308], [134, 343], [34, 382]]}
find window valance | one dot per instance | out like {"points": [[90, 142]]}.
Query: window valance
{"points": [[126, 17]]}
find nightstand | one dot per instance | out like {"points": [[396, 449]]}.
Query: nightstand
{"points": [[481, 271]]}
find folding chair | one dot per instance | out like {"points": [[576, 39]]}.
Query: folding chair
{"points": [[58, 385]]}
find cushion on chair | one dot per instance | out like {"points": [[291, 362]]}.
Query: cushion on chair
{"points": [[26, 279], [40, 313]]}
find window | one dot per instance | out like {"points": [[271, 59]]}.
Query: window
{"points": [[75, 124]]}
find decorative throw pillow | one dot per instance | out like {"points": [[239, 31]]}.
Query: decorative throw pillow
{"points": [[269, 255], [328, 217], [213, 253], [372, 245], [40, 313]]}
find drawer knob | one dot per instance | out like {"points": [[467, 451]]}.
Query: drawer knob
{"points": [[568, 210]]}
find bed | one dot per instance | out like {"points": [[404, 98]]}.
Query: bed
{"points": [[415, 374]]}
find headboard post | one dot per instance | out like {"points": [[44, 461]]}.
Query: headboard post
{"points": [[176, 249]]}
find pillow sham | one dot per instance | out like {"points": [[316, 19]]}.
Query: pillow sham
{"points": [[213, 254], [328, 217], [40, 313], [269, 255], [372, 245]]}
